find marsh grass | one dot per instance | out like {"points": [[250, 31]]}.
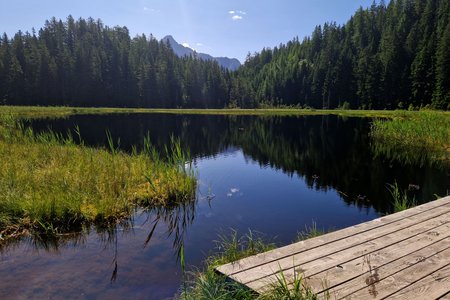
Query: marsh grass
{"points": [[418, 138], [51, 185], [208, 284], [293, 289], [310, 232], [400, 199], [63, 111]]}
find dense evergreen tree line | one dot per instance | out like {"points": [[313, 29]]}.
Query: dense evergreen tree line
{"points": [[385, 56], [84, 63]]}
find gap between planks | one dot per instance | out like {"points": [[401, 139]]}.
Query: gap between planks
{"points": [[306, 267], [414, 223], [289, 250], [348, 244]]}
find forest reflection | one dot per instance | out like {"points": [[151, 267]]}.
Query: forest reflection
{"points": [[329, 152]]}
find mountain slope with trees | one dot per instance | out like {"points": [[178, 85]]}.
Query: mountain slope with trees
{"points": [[386, 56], [231, 64], [85, 63]]}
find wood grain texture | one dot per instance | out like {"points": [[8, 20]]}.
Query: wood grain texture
{"points": [[319, 260], [358, 273], [432, 286], [286, 251], [402, 255]]}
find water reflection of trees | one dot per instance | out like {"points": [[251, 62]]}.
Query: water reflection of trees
{"points": [[333, 152], [329, 152]]}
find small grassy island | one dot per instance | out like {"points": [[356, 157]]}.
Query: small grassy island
{"points": [[53, 185]]}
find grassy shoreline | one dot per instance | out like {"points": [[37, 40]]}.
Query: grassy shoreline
{"points": [[208, 284], [62, 111], [52, 185], [421, 138]]}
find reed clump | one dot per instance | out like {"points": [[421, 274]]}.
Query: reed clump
{"points": [[400, 200], [208, 284], [421, 137], [310, 232], [51, 184]]}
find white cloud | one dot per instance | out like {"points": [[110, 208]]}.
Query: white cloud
{"points": [[237, 14], [187, 45], [151, 9], [199, 44]]}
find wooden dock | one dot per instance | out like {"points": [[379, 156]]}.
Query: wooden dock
{"points": [[405, 255]]}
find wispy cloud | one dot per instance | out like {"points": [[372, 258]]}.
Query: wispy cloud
{"points": [[187, 45], [237, 15], [150, 9]]}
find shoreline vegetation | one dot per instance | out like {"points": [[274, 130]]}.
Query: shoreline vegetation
{"points": [[420, 138], [64, 111], [208, 284], [52, 185]]}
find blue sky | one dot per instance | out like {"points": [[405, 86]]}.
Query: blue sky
{"points": [[219, 27]]}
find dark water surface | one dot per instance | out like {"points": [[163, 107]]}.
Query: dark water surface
{"points": [[274, 175]]}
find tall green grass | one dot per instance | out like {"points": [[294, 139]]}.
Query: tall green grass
{"points": [[208, 284], [418, 138], [400, 199], [51, 184], [63, 111], [310, 232]]}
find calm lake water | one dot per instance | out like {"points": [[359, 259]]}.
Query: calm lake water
{"points": [[273, 175]]}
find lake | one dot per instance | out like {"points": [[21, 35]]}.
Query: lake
{"points": [[272, 175]]}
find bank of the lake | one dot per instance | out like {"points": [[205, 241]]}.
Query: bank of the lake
{"points": [[52, 185], [62, 111], [423, 137]]}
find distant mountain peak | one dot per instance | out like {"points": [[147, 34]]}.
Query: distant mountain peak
{"points": [[231, 64]]}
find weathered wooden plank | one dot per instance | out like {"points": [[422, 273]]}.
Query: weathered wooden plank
{"points": [[318, 260], [420, 231], [396, 255], [374, 273], [296, 248], [353, 240], [352, 275], [432, 286]]}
